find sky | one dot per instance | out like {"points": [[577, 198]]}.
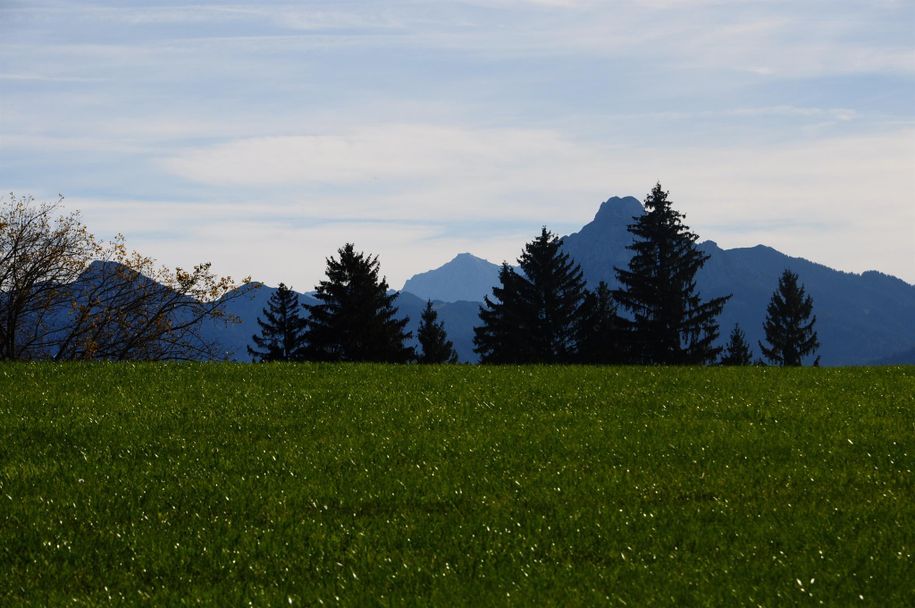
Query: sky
{"points": [[262, 136]]}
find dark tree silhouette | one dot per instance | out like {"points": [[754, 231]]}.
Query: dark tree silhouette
{"points": [[789, 324], [436, 347], [282, 336], [500, 338], [670, 323], [737, 350], [533, 317], [601, 339], [355, 319]]}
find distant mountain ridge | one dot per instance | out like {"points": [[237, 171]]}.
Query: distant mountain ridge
{"points": [[601, 243], [466, 277], [861, 318]]}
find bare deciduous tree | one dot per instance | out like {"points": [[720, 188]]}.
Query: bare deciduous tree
{"points": [[64, 295], [41, 253]]}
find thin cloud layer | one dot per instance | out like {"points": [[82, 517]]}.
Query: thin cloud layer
{"points": [[430, 128]]}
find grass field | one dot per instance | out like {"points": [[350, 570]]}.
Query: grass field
{"points": [[373, 485]]}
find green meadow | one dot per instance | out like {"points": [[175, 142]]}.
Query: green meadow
{"points": [[267, 485]]}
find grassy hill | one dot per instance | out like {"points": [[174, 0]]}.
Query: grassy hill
{"points": [[297, 485]]}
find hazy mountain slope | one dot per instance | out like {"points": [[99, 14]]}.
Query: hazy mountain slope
{"points": [[466, 277], [859, 317], [906, 357], [601, 244]]}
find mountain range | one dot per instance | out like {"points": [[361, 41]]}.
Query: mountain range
{"points": [[861, 318]]}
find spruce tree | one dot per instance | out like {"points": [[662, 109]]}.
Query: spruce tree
{"points": [[533, 317], [436, 346], [282, 329], [501, 338], [601, 338], [670, 323], [355, 319], [789, 325], [737, 351]]}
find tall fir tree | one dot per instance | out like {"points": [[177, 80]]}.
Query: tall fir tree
{"points": [[436, 347], [670, 323], [737, 350], [282, 329], [601, 329], [789, 325], [533, 317], [355, 319]]}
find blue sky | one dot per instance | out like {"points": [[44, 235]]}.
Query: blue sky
{"points": [[261, 136]]}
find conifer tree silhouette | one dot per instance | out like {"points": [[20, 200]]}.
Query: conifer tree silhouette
{"points": [[533, 316], [282, 329], [670, 323], [436, 347], [737, 350], [789, 325], [355, 319]]}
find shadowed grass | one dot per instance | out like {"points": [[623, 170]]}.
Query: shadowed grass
{"points": [[364, 484]]}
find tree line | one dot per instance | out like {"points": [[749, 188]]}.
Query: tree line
{"points": [[65, 295], [355, 319], [543, 312]]}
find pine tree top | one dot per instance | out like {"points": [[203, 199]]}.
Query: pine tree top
{"points": [[355, 318], [670, 323], [282, 328], [532, 315]]}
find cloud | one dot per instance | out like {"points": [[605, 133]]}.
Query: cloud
{"points": [[839, 114], [407, 172], [46, 78], [371, 153], [828, 199], [275, 207], [276, 243], [464, 125], [775, 39]]}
